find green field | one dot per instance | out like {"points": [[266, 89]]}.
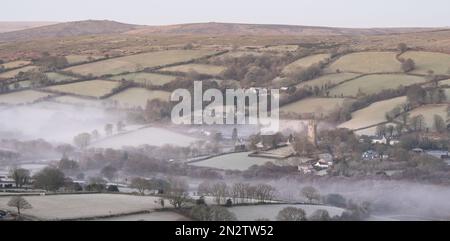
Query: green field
{"points": [[320, 106], [137, 62], [428, 112], [137, 97], [15, 64], [305, 62], [56, 77], [147, 79], [328, 80], [367, 62], [373, 114], [22, 97], [372, 84], [91, 88], [235, 161], [425, 61], [12, 73], [78, 59], [206, 69]]}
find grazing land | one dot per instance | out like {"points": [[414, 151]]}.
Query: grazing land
{"points": [[137, 62], [205, 69], [12, 73], [138, 97], [373, 114], [428, 112], [319, 106], [152, 216], [61, 207], [305, 62], [15, 64], [439, 63], [328, 80], [91, 88], [152, 136], [148, 79], [56, 77], [235, 161], [373, 84], [367, 62], [23, 97], [78, 59], [251, 213], [73, 100]]}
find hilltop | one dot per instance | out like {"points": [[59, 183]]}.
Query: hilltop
{"points": [[68, 29]]}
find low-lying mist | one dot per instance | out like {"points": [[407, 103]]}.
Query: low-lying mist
{"points": [[52, 122]]}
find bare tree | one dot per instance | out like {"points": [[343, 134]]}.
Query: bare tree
{"points": [[19, 203], [21, 176], [178, 192], [219, 191], [141, 184], [265, 192], [311, 194], [82, 140], [291, 214]]}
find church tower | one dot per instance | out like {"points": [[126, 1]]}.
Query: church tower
{"points": [[312, 131]]}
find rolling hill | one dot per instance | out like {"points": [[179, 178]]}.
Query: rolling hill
{"points": [[98, 27], [68, 29], [215, 28], [16, 26]]}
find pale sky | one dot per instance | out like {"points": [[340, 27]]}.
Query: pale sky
{"points": [[338, 13]]}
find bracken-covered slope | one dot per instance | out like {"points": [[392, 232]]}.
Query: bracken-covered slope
{"points": [[214, 28], [69, 29]]}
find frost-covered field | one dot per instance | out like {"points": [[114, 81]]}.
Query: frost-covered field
{"points": [[153, 216], [235, 161], [148, 136], [60, 207], [251, 213]]}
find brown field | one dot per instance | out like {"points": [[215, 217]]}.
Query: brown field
{"points": [[15, 64]]}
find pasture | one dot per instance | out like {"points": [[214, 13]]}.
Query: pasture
{"points": [[15, 64], [91, 88], [152, 216], [366, 62], [61, 207], [12, 73], [133, 63], [205, 69], [78, 59], [373, 114], [22, 97], [320, 106], [147, 79], [305, 62], [138, 97], [439, 63], [146, 136], [428, 112], [328, 80], [56, 77], [251, 213], [234, 161], [373, 84]]}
